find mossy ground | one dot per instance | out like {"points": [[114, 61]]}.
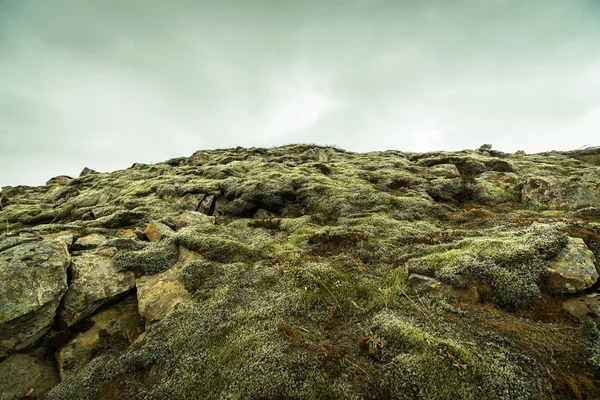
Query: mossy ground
{"points": [[302, 291]]}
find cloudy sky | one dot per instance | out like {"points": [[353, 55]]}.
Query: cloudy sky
{"points": [[106, 83]]}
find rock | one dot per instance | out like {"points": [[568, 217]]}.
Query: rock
{"points": [[88, 242], [155, 231], [573, 270], [485, 147], [562, 194], [128, 234], [206, 204], [426, 284], [105, 211], [192, 218], [95, 282], [26, 377], [65, 237], [122, 320], [33, 280], [587, 305], [159, 294], [59, 180], [87, 171], [194, 201], [198, 158]]}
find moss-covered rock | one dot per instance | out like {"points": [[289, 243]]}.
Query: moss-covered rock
{"points": [[512, 266]]}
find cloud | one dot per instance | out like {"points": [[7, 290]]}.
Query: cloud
{"points": [[107, 83]]}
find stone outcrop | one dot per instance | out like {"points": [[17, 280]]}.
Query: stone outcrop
{"points": [[573, 270], [159, 294], [562, 194], [33, 280], [26, 377], [121, 321], [95, 282]]}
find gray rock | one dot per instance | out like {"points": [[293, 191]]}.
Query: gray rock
{"points": [[26, 377], [33, 280], [562, 194], [95, 281], [573, 270]]}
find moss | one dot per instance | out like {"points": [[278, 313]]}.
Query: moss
{"points": [[423, 366], [512, 266], [215, 248], [591, 344], [151, 260]]}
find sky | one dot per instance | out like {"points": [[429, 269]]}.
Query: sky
{"points": [[106, 83]]}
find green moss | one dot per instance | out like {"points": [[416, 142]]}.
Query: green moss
{"points": [[215, 248], [591, 344], [151, 260], [423, 366], [512, 266]]}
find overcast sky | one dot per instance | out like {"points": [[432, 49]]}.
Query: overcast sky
{"points": [[104, 83]]}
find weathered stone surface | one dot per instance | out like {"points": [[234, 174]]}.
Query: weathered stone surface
{"points": [[65, 237], [563, 194], [587, 305], [573, 270], [33, 279], [426, 284], [192, 218], [155, 231], [26, 377], [95, 281], [122, 320], [159, 294], [88, 242]]}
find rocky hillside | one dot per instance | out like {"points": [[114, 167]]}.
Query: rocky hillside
{"points": [[306, 272]]}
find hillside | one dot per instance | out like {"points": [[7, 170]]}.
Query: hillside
{"points": [[306, 272]]}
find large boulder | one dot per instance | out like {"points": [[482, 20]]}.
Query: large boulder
{"points": [[563, 194], [33, 280], [94, 282], [573, 270], [26, 377], [121, 321]]}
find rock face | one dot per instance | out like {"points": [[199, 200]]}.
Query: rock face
{"points": [[573, 270], [159, 294], [122, 321], [562, 194], [88, 242], [95, 282], [26, 377], [33, 280]]}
